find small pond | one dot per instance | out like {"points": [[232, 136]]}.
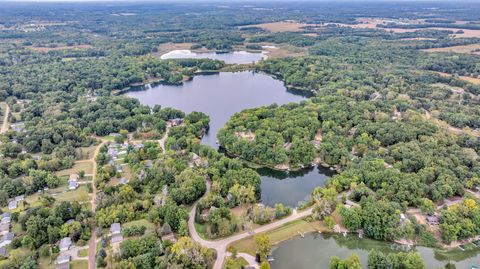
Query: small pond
{"points": [[315, 250], [235, 57], [293, 187]]}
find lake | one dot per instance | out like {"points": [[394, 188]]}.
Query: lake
{"points": [[291, 188], [219, 95], [235, 57], [315, 250]]}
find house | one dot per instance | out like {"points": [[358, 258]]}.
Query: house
{"points": [[170, 237], [6, 240], [72, 185], [175, 122], [65, 244], [12, 204], [4, 228], [64, 258], [73, 177], [115, 229], [433, 220], [6, 217], [116, 239], [148, 164], [18, 127], [19, 198], [123, 181]]}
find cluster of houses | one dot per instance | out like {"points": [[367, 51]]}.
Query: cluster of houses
{"points": [[63, 260], [73, 182], [114, 150]]}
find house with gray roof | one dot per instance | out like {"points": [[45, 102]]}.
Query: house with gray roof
{"points": [[12, 205], [6, 217], [64, 258], [65, 244], [4, 228], [115, 228], [6, 240]]}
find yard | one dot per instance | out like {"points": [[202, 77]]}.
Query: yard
{"points": [[87, 167], [280, 234]]}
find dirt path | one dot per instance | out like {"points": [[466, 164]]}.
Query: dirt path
{"points": [[5, 120], [92, 249], [164, 138], [220, 246]]}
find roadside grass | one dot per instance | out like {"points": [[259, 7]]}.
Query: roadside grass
{"points": [[237, 263], [87, 167], [79, 264], [83, 253], [282, 233], [108, 138], [201, 230]]}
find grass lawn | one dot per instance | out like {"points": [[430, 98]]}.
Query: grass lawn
{"points": [[143, 222], [83, 253], [235, 263], [79, 264], [87, 167], [46, 263], [280, 234], [201, 229], [79, 195], [108, 138]]}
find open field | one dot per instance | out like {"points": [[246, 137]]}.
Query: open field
{"points": [[281, 26], [85, 153], [79, 195], [371, 23], [475, 81], [87, 167], [47, 49], [458, 49], [280, 234]]}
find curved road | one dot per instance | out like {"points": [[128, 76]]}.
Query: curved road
{"points": [[220, 246]]}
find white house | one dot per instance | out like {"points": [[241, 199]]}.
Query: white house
{"points": [[6, 217], [72, 185]]}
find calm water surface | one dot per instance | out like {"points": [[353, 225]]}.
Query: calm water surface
{"points": [[236, 57], [315, 250], [219, 96], [291, 188]]}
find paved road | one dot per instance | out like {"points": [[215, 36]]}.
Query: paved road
{"points": [[5, 121], [220, 246]]}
